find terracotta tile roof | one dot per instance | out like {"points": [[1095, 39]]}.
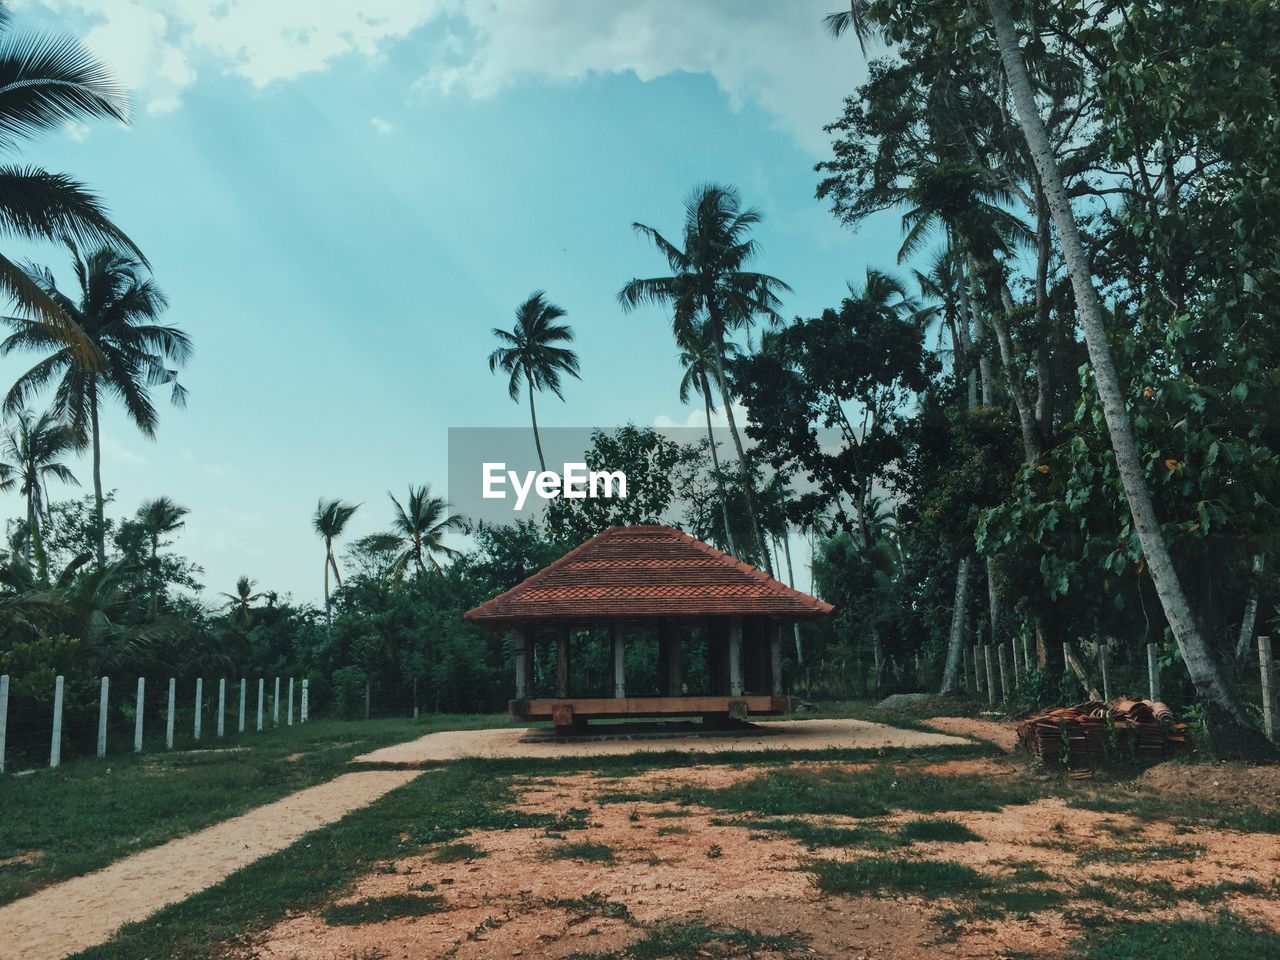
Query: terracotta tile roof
{"points": [[646, 571]]}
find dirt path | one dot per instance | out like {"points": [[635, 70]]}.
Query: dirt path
{"points": [[1003, 735], [85, 911], [779, 735]]}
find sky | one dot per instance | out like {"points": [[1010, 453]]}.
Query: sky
{"points": [[341, 201]]}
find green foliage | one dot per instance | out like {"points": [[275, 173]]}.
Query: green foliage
{"points": [[382, 909], [877, 875], [1224, 936], [935, 829], [586, 851]]}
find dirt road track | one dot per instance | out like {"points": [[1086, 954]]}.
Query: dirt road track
{"points": [[76, 914]]}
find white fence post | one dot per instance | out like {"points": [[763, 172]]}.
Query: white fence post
{"points": [[1004, 673], [262, 686], [305, 691], [1268, 686], [55, 745], [1026, 654], [1153, 669], [199, 706], [168, 727], [991, 674], [242, 698], [137, 716], [275, 706], [1013, 655], [103, 689], [222, 704], [1106, 677], [289, 711], [4, 715]]}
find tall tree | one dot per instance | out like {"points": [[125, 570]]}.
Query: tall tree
{"points": [[531, 354], [696, 357], [421, 523], [33, 449], [241, 602], [1232, 730], [117, 308], [46, 82], [159, 518], [330, 520], [710, 285]]}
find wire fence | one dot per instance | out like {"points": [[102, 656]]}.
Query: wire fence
{"points": [[49, 719]]}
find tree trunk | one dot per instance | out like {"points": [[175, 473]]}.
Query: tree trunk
{"points": [[744, 465], [1232, 732], [533, 414], [155, 575], [791, 579], [100, 530], [955, 642], [715, 465], [1250, 619], [979, 335]]}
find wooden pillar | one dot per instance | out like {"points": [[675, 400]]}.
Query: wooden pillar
{"points": [[562, 662], [522, 663], [619, 659], [775, 658], [735, 657], [675, 663]]}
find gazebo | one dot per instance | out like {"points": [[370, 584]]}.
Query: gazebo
{"points": [[713, 626]]}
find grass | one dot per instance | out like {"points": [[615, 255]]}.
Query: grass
{"points": [[458, 853], [877, 875], [107, 809], [1225, 936], [1180, 811], [677, 941], [381, 909], [586, 851], [1140, 852], [832, 791], [817, 835], [943, 829]]}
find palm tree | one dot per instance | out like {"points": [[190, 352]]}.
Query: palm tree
{"points": [[33, 449], [530, 354], [241, 601], [158, 518], [1233, 733], [696, 359], [46, 82], [330, 520], [117, 309], [421, 525], [709, 284]]}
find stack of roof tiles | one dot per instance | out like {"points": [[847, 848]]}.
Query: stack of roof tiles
{"points": [[1082, 737], [650, 572]]}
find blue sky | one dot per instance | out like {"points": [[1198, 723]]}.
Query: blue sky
{"points": [[340, 206]]}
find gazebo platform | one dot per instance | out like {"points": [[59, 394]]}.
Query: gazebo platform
{"points": [[661, 585]]}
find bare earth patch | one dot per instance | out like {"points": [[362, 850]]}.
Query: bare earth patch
{"points": [[520, 899], [1003, 735]]}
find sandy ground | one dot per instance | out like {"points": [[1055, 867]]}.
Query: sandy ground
{"points": [[778, 735], [674, 864], [1003, 735], [85, 911]]}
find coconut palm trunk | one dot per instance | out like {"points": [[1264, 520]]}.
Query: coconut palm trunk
{"points": [[100, 531], [1232, 732], [791, 580], [744, 465], [533, 415], [715, 465], [1250, 618]]}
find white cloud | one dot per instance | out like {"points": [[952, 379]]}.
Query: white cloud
{"points": [[776, 55], [760, 52], [77, 131], [382, 126]]}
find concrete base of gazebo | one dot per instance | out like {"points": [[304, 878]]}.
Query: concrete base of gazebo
{"points": [[570, 712]]}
